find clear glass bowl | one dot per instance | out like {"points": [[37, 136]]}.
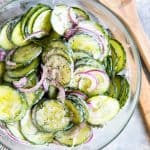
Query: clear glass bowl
{"points": [[104, 135]]}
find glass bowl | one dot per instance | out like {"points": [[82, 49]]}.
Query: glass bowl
{"points": [[105, 135]]}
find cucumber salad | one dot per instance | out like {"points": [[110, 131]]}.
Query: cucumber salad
{"points": [[61, 76]]}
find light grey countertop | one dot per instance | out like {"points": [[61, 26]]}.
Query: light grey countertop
{"points": [[135, 136]]}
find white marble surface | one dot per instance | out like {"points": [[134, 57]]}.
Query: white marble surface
{"points": [[134, 136]]}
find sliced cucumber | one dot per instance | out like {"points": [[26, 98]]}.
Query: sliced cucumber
{"points": [[56, 51], [51, 116], [79, 14], [31, 133], [86, 61], [59, 64], [17, 37], [33, 17], [75, 136], [52, 92], [77, 114], [32, 80], [118, 53], [80, 103], [25, 55], [119, 89], [60, 19], [42, 23], [103, 109], [85, 43], [2, 70], [56, 44], [102, 85], [28, 15], [80, 55], [4, 41], [33, 97], [14, 128], [9, 79], [21, 72], [54, 35], [12, 104]]}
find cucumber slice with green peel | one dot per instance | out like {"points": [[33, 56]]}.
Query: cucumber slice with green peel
{"points": [[119, 89], [33, 97], [79, 14], [56, 44], [33, 17], [21, 72], [85, 43], [86, 61], [52, 92], [60, 19], [2, 70], [4, 40], [80, 55], [54, 35], [102, 85], [27, 16], [51, 116], [56, 51], [42, 23], [80, 102], [31, 133], [26, 54], [6, 78], [75, 136], [12, 104], [119, 54], [17, 37], [14, 128], [32, 80], [61, 69], [102, 109], [77, 114]]}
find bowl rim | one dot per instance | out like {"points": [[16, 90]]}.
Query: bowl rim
{"points": [[136, 55]]}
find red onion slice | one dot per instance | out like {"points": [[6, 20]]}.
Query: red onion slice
{"points": [[38, 85], [8, 62], [2, 55], [61, 94], [94, 81], [22, 82], [46, 85], [103, 74]]}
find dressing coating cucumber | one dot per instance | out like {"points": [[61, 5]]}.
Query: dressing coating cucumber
{"points": [[85, 43], [33, 97], [31, 133], [63, 69], [75, 136], [4, 40], [102, 110], [21, 72], [118, 55], [26, 54], [12, 104], [60, 19], [14, 128], [51, 116]]}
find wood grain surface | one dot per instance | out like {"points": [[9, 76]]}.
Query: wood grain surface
{"points": [[128, 14]]}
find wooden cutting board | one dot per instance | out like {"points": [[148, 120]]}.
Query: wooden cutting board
{"points": [[128, 13]]}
